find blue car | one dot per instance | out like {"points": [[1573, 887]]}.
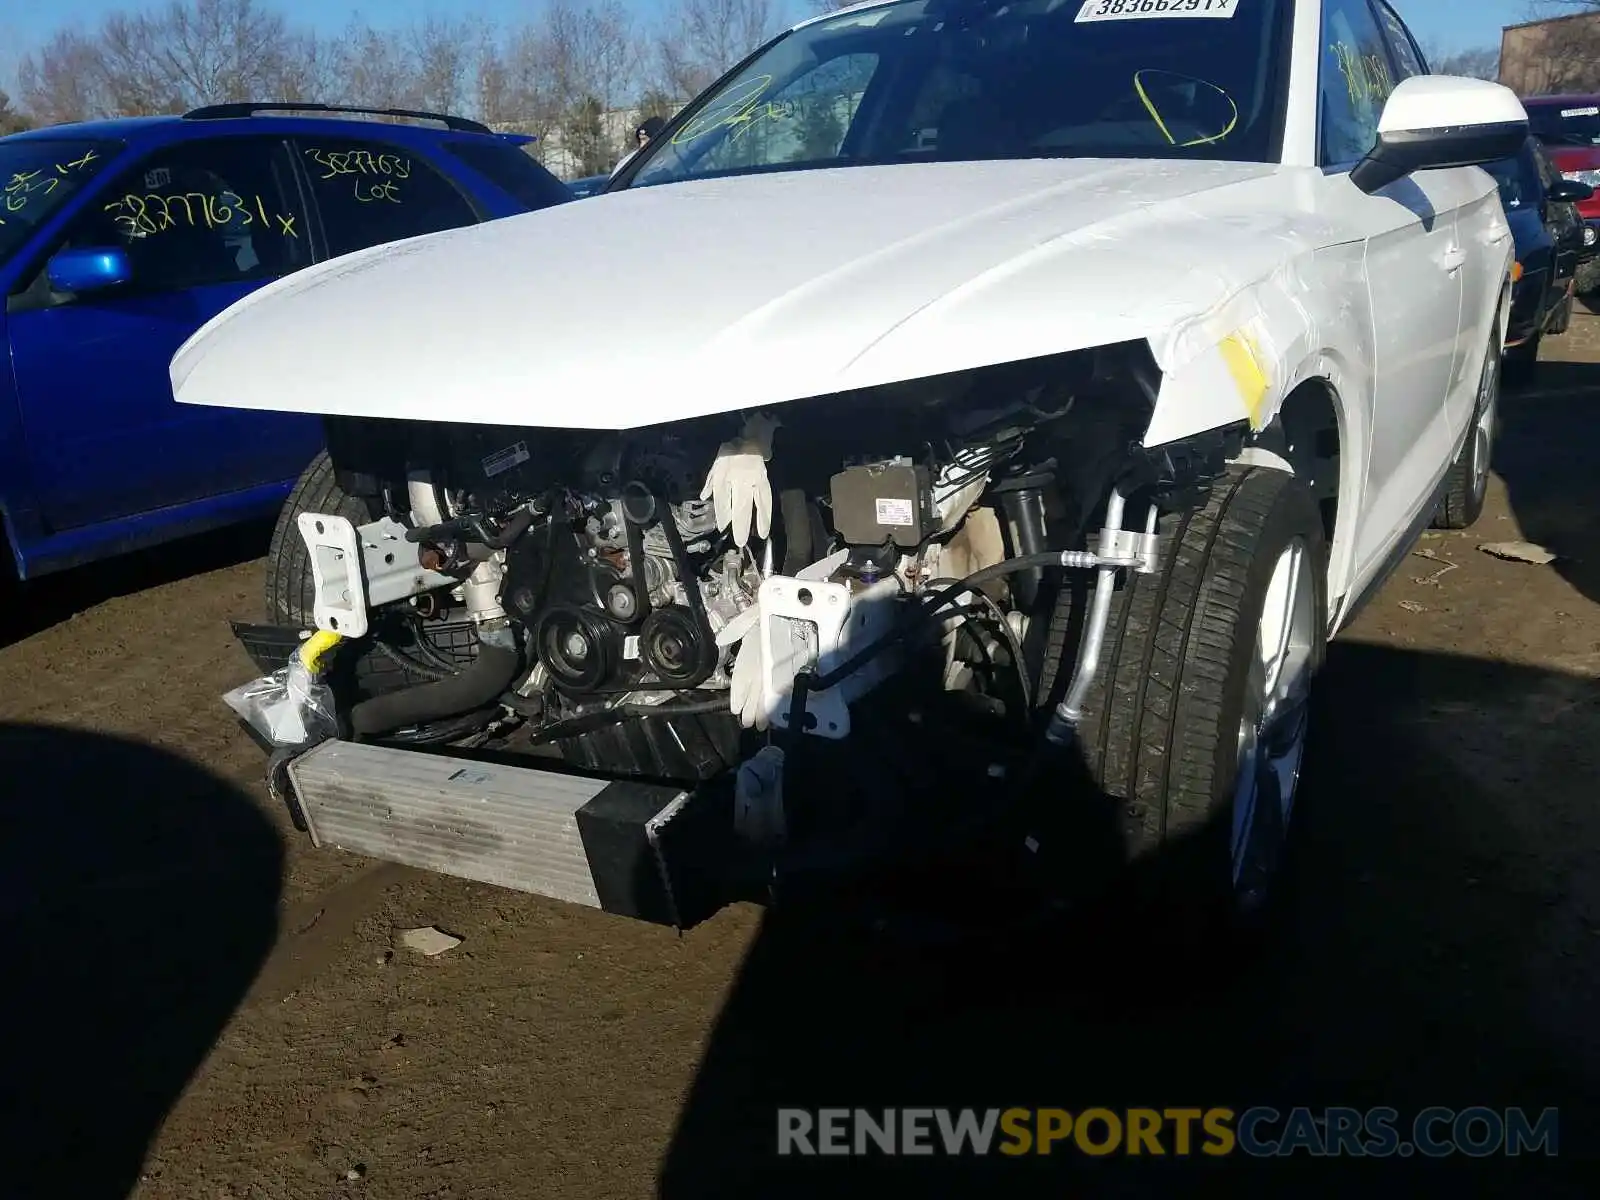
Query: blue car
{"points": [[588, 185], [118, 239]]}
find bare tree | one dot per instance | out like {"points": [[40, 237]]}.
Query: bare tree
{"points": [[706, 37], [591, 53], [64, 80], [443, 51], [11, 121], [513, 88], [590, 57], [373, 68], [138, 77], [310, 71], [219, 50], [166, 59], [1480, 62]]}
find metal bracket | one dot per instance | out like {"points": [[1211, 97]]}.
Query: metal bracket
{"points": [[652, 835], [816, 625], [354, 569], [1119, 548]]}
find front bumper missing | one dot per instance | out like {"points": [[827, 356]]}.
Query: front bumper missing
{"points": [[652, 852], [357, 568]]}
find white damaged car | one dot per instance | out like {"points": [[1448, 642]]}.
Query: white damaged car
{"points": [[962, 428]]}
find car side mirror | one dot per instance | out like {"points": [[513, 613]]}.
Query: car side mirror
{"points": [[1432, 122], [89, 269], [1569, 191]]}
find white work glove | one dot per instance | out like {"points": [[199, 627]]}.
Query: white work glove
{"points": [[744, 692], [749, 670], [737, 484]]}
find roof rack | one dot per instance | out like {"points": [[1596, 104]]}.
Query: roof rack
{"points": [[222, 112]]}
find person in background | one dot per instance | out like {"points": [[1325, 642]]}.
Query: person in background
{"points": [[648, 128]]}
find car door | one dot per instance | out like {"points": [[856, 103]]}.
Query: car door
{"points": [[1481, 235], [203, 223], [1414, 264], [1563, 223]]}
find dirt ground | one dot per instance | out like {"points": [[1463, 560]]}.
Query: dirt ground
{"points": [[204, 1006]]}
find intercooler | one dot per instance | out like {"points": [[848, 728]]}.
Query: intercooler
{"points": [[637, 849]]}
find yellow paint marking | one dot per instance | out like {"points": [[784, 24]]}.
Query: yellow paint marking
{"points": [[1247, 374]]}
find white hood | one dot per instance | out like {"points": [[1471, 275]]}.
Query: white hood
{"points": [[663, 303]]}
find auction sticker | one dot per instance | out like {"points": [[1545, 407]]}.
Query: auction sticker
{"points": [[1138, 10], [1590, 111]]}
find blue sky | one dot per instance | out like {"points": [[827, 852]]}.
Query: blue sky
{"points": [[1448, 24]]}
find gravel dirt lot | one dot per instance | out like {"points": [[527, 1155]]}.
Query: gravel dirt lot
{"points": [[204, 1006]]}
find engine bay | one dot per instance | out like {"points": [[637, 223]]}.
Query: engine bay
{"points": [[665, 602]]}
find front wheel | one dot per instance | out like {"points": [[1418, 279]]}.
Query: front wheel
{"points": [[1196, 727], [1467, 483]]}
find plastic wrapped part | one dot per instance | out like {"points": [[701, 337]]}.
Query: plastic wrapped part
{"points": [[290, 707]]}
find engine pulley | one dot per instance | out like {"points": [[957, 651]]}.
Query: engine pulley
{"points": [[577, 647], [675, 648]]}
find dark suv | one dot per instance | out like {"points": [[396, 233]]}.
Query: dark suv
{"points": [[119, 239], [1568, 126]]}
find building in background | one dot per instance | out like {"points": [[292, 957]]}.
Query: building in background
{"points": [[1561, 54]]}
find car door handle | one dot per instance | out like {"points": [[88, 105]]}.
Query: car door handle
{"points": [[1453, 259]]}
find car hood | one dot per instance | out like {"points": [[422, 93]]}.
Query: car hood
{"points": [[664, 303]]}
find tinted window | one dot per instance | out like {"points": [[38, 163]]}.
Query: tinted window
{"points": [[222, 211], [947, 80], [512, 171], [1518, 180], [1574, 125], [1548, 174], [370, 192], [37, 177], [1354, 79]]}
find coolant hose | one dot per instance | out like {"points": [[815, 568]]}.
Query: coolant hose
{"points": [[479, 684]]}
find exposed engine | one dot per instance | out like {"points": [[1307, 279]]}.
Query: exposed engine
{"points": [[694, 572]]}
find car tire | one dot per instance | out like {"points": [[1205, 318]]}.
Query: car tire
{"points": [[1181, 728], [1588, 277], [289, 591], [1467, 482]]}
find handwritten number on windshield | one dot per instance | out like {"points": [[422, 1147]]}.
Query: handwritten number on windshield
{"points": [[24, 185], [737, 109]]}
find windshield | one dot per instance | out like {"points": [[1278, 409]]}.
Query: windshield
{"points": [[960, 80], [1576, 125], [38, 176], [1518, 180]]}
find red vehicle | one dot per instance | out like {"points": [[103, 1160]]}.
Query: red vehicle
{"points": [[1569, 128]]}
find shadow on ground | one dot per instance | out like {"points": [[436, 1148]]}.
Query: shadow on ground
{"points": [[138, 895], [50, 599], [1548, 455], [1440, 945], [1424, 960]]}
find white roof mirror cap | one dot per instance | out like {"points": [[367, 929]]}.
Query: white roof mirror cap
{"points": [[1427, 102]]}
